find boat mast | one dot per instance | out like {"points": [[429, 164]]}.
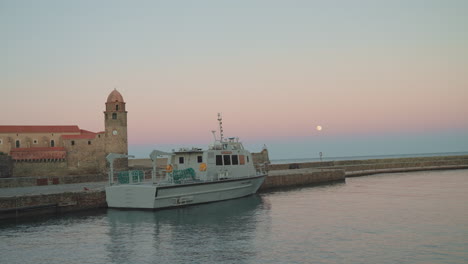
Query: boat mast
{"points": [[220, 120]]}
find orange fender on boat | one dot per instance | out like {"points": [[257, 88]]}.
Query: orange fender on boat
{"points": [[203, 167], [169, 168]]}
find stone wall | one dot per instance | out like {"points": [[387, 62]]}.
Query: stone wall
{"points": [[261, 157], [51, 180], [86, 155], [37, 169], [376, 164], [21, 206], [6, 166], [300, 177]]}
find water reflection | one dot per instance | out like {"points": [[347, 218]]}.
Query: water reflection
{"points": [[216, 232]]}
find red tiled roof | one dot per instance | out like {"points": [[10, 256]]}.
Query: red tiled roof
{"points": [[39, 129], [38, 153], [82, 131]]}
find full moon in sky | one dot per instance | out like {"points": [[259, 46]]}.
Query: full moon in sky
{"points": [[318, 128]]}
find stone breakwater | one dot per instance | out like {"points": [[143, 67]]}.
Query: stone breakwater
{"points": [[373, 166], [300, 177]]}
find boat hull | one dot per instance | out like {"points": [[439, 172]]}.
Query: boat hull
{"points": [[156, 197]]}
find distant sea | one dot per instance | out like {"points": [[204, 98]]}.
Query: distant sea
{"points": [[394, 156]]}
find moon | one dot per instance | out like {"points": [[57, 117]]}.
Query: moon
{"points": [[319, 128]]}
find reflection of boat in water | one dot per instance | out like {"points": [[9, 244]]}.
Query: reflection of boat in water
{"points": [[192, 176], [192, 234]]}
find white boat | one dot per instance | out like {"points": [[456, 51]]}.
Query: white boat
{"points": [[224, 171]]}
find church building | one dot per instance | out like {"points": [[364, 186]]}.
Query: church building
{"points": [[68, 149]]}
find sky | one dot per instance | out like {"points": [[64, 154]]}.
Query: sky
{"points": [[380, 77]]}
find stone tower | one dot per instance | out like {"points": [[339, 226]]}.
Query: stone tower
{"points": [[115, 123]]}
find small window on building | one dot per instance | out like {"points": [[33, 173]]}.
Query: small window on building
{"points": [[17, 144], [242, 159], [35, 141], [219, 160], [181, 160], [73, 142], [199, 159], [52, 143], [227, 159], [235, 160], [116, 107], [89, 142], [114, 115]]}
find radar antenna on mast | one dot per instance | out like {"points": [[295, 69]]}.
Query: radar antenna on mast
{"points": [[220, 120]]}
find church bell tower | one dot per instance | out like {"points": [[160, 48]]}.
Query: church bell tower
{"points": [[115, 123]]}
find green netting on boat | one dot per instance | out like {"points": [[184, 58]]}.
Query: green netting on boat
{"points": [[179, 175], [124, 176]]}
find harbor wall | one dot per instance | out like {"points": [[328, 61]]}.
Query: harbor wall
{"points": [[380, 164], [30, 205], [300, 177]]}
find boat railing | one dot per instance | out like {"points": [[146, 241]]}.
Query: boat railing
{"points": [[131, 177]]}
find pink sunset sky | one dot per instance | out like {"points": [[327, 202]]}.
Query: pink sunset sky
{"points": [[380, 77]]}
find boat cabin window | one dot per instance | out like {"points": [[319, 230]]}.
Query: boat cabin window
{"points": [[224, 146], [181, 160], [227, 159], [230, 160], [248, 159], [200, 159], [219, 160], [242, 159], [235, 160]]}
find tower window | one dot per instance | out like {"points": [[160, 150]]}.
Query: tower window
{"points": [[73, 142], [116, 107], [114, 115]]}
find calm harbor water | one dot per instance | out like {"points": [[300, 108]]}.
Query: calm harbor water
{"points": [[419, 217]]}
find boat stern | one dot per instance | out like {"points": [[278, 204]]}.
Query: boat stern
{"points": [[131, 196]]}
